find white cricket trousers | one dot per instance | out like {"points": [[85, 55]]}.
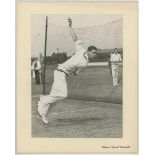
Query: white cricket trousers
{"points": [[58, 92], [115, 70]]}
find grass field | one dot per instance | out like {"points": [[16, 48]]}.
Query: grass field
{"points": [[93, 107]]}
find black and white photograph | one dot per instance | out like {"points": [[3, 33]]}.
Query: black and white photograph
{"points": [[76, 76]]}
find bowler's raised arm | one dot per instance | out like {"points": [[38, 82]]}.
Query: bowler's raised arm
{"points": [[73, 34]]}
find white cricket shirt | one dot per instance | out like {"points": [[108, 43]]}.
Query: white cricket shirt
{"points": [[115, 58], [36, 65], [77, 62]]}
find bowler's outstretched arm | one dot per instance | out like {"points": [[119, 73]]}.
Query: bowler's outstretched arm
{"points": [[73, 34]]}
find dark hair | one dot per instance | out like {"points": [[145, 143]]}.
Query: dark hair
{"points": [[90, 48], [115, 49]]}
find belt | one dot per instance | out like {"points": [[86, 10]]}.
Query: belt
{"points": [[62, 71]]}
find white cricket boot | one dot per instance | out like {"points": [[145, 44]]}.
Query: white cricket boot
{"points": [[39, 107], [44, 119]]}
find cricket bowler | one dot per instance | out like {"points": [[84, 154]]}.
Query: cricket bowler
{"points": [[74, 65]]}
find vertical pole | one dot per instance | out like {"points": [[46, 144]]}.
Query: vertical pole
{"points": [[45, 54]]}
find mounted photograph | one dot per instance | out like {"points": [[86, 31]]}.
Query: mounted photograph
{"points": [[77, 76]]}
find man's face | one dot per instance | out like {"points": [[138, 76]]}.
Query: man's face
{"points": [[115, 51], [92, 54]]}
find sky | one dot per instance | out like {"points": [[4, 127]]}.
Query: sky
{"points": [[96, 29]]}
